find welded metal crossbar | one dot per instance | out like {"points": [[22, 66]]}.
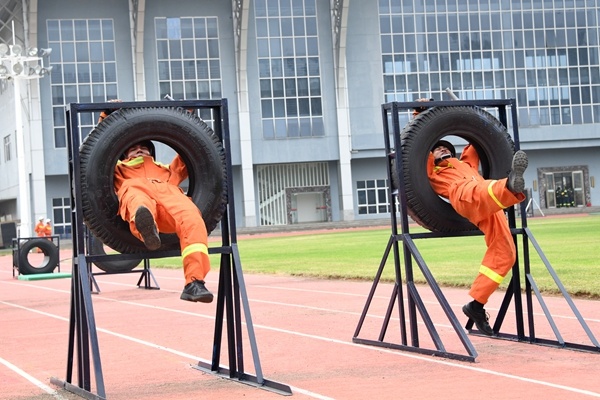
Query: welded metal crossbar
{"points": [[407, 313], [231, 297]]}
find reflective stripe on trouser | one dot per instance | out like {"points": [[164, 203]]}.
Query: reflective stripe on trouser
{"points": [[477, 200], [482, 203], [499, 257], [196, 263], [173, 212]]}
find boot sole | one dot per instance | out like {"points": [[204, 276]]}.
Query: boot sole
{"points": [[144, 222], [207, 298], [519, 165]]}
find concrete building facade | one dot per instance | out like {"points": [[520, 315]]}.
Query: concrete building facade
{"points": [[305, 80]]}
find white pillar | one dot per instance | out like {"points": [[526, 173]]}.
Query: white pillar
{"points": [[24, 202]]}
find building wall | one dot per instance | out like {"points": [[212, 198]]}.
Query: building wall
{"points": [[296, 149], [204, 8], [548, 146], [365, 85], [118, 11], [9, 184]]}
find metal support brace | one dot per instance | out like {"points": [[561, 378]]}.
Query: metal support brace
{"points": [[147, 276]]}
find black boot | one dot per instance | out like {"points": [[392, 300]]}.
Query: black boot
{"points": [[196, 291], [516, 182], [479, 316], [144, 222]]}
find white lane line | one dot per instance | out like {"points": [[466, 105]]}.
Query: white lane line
{"points": [[337, 341], [364, 295], [30, 378], [556, 316], [138, 341], [325, 339], [437, 361], [329, 310]]}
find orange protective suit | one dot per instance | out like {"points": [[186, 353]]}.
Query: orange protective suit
{"points": [[48, 229], [40, 229], [481, 201], [141, 181]]}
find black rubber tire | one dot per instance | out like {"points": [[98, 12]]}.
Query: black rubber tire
{"points": [[113, 266], [51, 257], [188, 135], [490, 138]]}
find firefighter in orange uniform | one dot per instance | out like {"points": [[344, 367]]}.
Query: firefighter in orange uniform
{"points": [[482, 202], [48, 228], [40, 228], [151, 201]]}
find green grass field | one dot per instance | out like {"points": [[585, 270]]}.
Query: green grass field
{"points": [[571, 244]]}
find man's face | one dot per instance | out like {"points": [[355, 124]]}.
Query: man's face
{"points": [[440, 151], [137, 150]]}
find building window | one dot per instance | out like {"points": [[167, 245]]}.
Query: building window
{"points": [[7, 155], [84, 69], [189, 65], [61, 213], [372, 197], [546, 55], [289, 72]]}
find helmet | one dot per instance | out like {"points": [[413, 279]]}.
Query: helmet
{"points": [[146, 143], [47, 220], [447, 145]]}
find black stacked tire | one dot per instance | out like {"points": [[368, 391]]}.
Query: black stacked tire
{"points": [[188, 135], [114, 266], [49, 263], [478, 127]]}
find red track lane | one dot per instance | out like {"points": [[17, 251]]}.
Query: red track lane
{"points": [[149, 339]]}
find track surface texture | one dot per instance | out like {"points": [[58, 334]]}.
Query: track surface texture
{"points": [[150, 340]]}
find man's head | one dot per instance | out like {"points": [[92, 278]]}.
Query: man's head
{"points": [[443, 149], [143, 148]]}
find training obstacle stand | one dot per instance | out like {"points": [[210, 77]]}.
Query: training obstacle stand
{"points": [[407, 312], [232, 298]]}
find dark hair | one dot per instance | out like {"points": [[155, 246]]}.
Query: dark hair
{"points": [[146, 143], [447, 145]]}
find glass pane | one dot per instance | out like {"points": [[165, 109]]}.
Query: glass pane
{"points": [[95, 31], [110, 70], [107, 29], [66, 30], [109, 51], [280, 128], [96, 53], [293, 127]]}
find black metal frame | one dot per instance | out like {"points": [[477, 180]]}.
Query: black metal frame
{"points": [[390, 112], [231, 296], [146, 274]]}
